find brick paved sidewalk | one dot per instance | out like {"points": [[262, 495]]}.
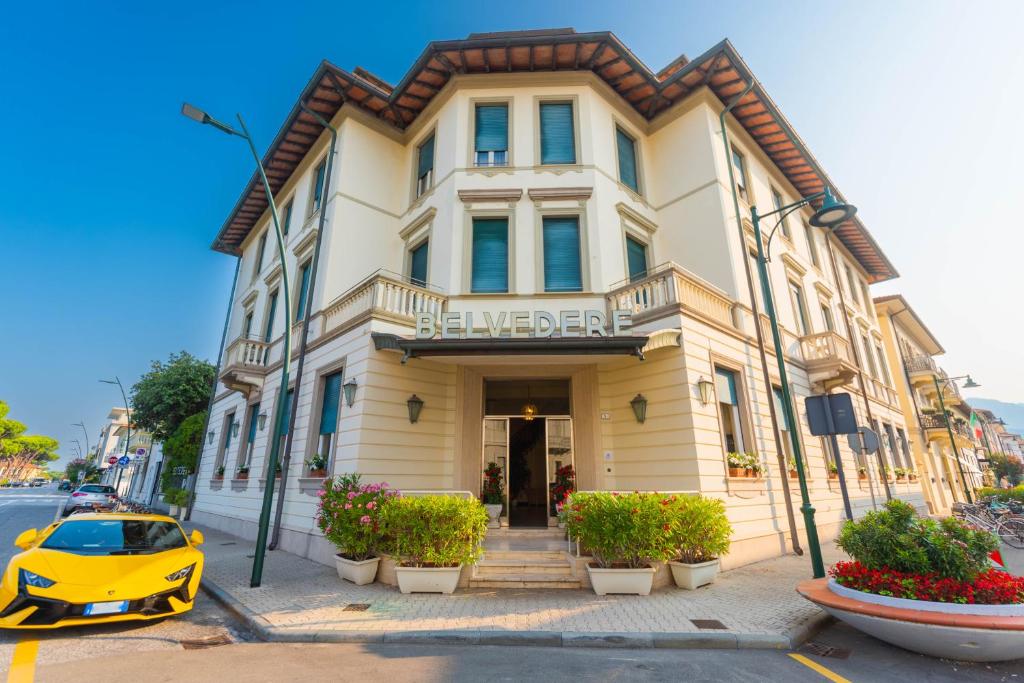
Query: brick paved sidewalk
{"points": [[301, 600]]}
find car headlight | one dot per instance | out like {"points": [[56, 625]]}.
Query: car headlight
{"points": [[27, 578], [181, 573]]}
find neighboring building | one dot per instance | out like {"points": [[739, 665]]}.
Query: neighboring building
{"points": [[108, 444], [544, 178]]}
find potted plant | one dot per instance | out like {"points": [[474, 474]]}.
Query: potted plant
{"points": [[791, 465], [924, 585], [277, 469], [887, 472], [737, 464], [701, 534], [833, 471], [317, 466], [175, 499], [624, 533], [431, 538], [348, 514], [219, 472], [862, 472], [754, 467], [901, 474], [565, 484], [242, 472], [911, 475], [493, 494]]}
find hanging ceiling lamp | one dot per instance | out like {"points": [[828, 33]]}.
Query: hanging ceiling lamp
{"points": [[529, 410]]}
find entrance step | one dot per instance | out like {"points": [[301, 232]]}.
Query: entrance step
{"points": [[524, 581], [522, 555], [551, 567], [505, 567]]}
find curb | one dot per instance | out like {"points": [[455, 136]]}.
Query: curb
{"points": [[699, 640]]}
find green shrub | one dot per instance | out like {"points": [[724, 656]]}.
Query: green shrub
{"points": [[896, 538], [433, 531], [349, 515], [701, 531], [1004, 495], [623, 530], [177, 497]]}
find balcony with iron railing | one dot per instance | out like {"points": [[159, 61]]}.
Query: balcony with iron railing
{"points": [[920, 369]]}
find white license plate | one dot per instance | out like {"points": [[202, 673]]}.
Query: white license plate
{"points": [[117, 607]]}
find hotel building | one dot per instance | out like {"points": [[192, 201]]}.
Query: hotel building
{"points": [[531, 255]]}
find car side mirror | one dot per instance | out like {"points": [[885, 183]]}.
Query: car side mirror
{"points": [[196, 537], [26, 538]]}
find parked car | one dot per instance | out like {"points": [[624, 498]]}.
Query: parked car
{"points": [[38, 481], [90, 496], [16, 484], [101, 567], [64, 486]]}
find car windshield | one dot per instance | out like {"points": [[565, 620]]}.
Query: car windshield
{"points": [[115, 537], [96, 488]]}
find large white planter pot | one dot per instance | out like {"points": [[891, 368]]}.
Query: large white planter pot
{"points": [[693, 576], [428, 579], [173, 510], [622, 581], [359, 572], [493, 515]]}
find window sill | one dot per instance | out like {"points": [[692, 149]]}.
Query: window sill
{"points": [[745, 487], [311, 485], [216, 484], [239, 484]]}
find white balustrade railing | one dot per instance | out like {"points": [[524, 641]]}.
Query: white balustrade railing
{"points": [[382, 295], [825, 346], [246, 353], [670, 285]]}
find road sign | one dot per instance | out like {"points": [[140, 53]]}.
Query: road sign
{"points": [[830, 414], [140, 452], [112, 460], [864, 440], [124, 460]]}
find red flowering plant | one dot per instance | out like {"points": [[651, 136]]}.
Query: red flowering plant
{"points": [[898, 554], [348, 514], [565, 484], [494, 482]]}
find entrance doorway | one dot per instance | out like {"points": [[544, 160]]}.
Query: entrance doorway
{"points": [[527, 475]]}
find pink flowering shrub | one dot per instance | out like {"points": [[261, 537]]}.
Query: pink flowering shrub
{"points": [[348, 514]]}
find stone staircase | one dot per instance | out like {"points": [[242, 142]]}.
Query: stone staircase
{"points": [[531, 558]]}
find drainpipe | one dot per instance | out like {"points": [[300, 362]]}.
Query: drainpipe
{"points": [[754, 306], [856, 359], [275, 537], [213, 394]]}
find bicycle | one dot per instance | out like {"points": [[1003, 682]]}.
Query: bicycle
{"points": [[997, 520]]}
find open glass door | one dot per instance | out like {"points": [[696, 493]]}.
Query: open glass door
{"points": [[496, 451], [560, 461]]}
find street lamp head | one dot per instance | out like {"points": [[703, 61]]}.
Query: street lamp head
{"points": [[970, 383], [194, 113], [108, 381], [832, 212]]}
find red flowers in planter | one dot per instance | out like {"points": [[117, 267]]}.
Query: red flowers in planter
{"points": [[991, 587]]}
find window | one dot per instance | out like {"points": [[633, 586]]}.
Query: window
{"points": [[250, 438], [883, 366], [329, 415], [780, 414], [904, 448], [316, 196], [247, 326], [491, 135], [850, 282], [300, 309], [425, 166], [268, 332], [739, 169], [826, 314], [557, 133], [866, 295], [812, 248], [778, 203], [727, 392], [490, 255], [755, 276], [260, 249], [418, 263], [796, 294], [282, 435], [562, 270], [287, 218], [890, 439], [869, 356], [881, 444], [627, 160], [636, 259]]}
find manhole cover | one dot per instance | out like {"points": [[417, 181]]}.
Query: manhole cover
{"points": [[356, 607], [709, 624], [823, 650], [201, 643]]}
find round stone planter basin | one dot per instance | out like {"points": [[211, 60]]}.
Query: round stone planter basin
{"points": [[359, 572], [493, 515], [428, 579], [621, 581], [973, 633], [693, 576]]}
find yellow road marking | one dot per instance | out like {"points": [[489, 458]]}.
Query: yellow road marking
{"points": [[23, 663], [830, 675]]}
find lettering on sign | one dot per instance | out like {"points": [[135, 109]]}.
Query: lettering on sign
{"points": [[520, 324]]}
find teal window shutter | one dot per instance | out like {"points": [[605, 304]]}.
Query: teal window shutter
{"points": [[627, 160], [557, 137], [287, 218], [329, 409], [491, 127], [300, 309], [318, 188], [227, 432], [254, 411], [259, 255], [562, 272], [418, 264], [425, 163], [780, 414], [286, 415], [268, 334], [725, 386], [636, 255], [490, 255]]}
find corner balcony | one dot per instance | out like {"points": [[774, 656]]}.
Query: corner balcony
{"points": [[935, 430], [384, 296], [245, 365], [829, 359], [668, 289], [921, 369]]}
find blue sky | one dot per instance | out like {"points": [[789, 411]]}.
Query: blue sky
{"points": [[109, 199]]}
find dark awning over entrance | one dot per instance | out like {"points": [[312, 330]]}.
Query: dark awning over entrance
{"points": [[511, 346]]}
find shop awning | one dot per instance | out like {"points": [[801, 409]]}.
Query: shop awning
{"points": [[511, 346]]}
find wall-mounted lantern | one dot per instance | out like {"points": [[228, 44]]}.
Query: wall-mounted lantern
{"points": [[639, 405], [705, 386], [415, 404], [262, 420], [209, 436], [349, 387]]}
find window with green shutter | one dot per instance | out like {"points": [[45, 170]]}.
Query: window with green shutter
{"points": [[557, 134], [491, 135], [271, 312], [490, 255], [332, 399], [418, 264], [286, 415], [627, 159], [636, 256], [300, 309], [562, 272], [287, 219], [425, 166], [260, 250], [317, 193]]}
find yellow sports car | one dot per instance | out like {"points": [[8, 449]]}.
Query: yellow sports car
{"points": [[98, 568]]}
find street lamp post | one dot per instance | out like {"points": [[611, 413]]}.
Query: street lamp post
{"points": [[969, 384], [128, 414], [84, 431], [831, 214], [268, 493]]}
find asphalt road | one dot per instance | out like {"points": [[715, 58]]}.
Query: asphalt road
{"points": [[162, 651]]}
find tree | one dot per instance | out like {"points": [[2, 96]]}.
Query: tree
{"points": [[92, 473], [181, 449], [1007, 465], [170, 392], [22, 453]]}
